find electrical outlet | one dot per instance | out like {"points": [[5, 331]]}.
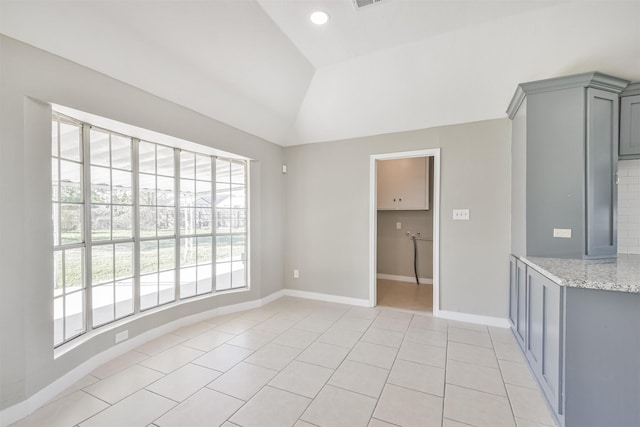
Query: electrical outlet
{"points": [[121, 336], [461, 214], [296, 274], [398, 226], [563, 233]]}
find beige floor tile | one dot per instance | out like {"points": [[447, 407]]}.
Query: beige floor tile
{"points": [[450, 423], [353, 324], [223, 357], [298, 338], [160, 344], [365, 379], [243, 380], [472, 354], [470, 375], [429, 322], [395, 313], [526, 423], [467, 325], [416, 376], [468, 336], [301, 423], [204, 409], [337, 407], [124, 383], [423, 353], [427, 336], [252, 339], [85, 381], [118, 364], [321, 354], [409, 408], [271, 407], [137, 410], [193, 330], [302, 378], [273, 356], [373, 354], [183, 382], [363, 312], [67, 411], [383, 337], [504, 335], [509, 351], [392, 323], [236, 326], [517, 374], [379, 423], [317, 323], [528, 404], [171, 359], [340, 337], [477, 408], [275, 325], [209, 340]]}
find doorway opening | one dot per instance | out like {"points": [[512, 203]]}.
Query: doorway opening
{"points": [[404, 230]]}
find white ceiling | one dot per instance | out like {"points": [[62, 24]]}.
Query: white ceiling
{"points": [[260, 66]]}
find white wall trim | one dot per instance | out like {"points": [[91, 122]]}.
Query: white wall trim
{"points": [[408, 279], [326, 297], [26, 407], [373, 220], [475, 318]]}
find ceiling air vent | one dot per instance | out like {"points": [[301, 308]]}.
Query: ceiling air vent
{"points": [[359, 4]]}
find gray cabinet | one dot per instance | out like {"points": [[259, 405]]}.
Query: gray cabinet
{"points": [[517, 299], [630, 122], [564, 166], [582, 346], [544, 335]]}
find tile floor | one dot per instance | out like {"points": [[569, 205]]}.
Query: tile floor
{"points": [[298, 362]]}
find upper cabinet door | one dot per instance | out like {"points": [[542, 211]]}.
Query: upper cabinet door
{"points": [[630, 126], [602, 167], [403, 184]]}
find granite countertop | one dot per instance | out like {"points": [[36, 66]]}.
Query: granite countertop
{"points": [[620, 274]]}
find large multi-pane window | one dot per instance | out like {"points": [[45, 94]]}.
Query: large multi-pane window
{"points": [[231, 224], [111, 175], [135, 220], [196, 211], [157, 215], [68, 229]]}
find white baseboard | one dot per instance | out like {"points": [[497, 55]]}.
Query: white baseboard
{"points": [[473, 318], [410, 279], [26, 407], [326, 297]]}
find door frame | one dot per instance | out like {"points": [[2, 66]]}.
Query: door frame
{"points": [[373, 220]]}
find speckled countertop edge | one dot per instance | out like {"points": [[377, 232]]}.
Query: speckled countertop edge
{"points": [[621, 274]]}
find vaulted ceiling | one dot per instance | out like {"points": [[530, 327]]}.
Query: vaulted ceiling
{"points": [[261, 66]]}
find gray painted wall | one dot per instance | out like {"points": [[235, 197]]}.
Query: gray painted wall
{"points": [[327, 227], [395, 248], [31, 78]]}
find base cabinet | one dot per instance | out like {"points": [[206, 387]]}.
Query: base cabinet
{"points": [[582, 346]]}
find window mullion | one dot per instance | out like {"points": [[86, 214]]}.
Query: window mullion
{"points": [[86, 226], [135, 171], [214, 245], [176, 222]]}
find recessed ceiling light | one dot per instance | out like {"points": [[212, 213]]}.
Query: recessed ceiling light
{"points": [[319, 17]]}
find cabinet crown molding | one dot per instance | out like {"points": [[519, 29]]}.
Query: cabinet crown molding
{"points": [[593, 79], [632, 89]]}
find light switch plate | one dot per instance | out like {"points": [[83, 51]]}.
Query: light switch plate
{"points": [[563, 233], [461, 214]]}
